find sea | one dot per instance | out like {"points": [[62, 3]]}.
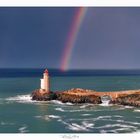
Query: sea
{"points": [[19, 114]]}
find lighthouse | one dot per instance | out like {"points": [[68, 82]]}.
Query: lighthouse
{"points": [[45, 83]]}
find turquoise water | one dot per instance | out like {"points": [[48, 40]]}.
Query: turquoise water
{"points": [[18, 114]]}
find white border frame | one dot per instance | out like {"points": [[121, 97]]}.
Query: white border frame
{"points": [[69, 3], [72, 3]]}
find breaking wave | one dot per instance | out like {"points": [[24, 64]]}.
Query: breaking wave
{"points": [[60, 103], [116, 128], [90, 125], [128, 107], [86, 115], [77, 127], [48, 117], [23, 129], [84, 126], [105, 103], [137, 110], [117, 125], [60, 109], [21, 98], [53, 116], [87, 105]]}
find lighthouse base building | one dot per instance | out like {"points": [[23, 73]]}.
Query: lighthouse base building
{"points": [[45, 83]]}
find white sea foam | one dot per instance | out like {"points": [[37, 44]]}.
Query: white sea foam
{"points": [[118, 107], [133, 123], [107, 118], [83, 106], [77, 127], [53, 116], [108, 131], [23, 129], [86, 105], [3, 123], [82, 110], [68, 103], [117, 125], [60, 103], [103, 117], [137, 110], [43, 117], [117, 116], [48, 117], [56, 102], [87, 124], [21, 98], [122, 107], [123, 129], [38, 116], [84, 126], [128, 107], [60, 109], [121, 121], [86, 115], [105, 103], [128, 122], [6, 123]]}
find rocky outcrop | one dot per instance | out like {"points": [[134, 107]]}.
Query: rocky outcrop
{"points": [[39, 96], [77, 95], [64, 97], [73, 96], [131, 100]]}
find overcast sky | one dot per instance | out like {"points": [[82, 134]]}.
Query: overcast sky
{"points": [[109, 38]]}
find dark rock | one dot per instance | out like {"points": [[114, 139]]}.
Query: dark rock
{"points": [[78, 96], [38, 96], [131, 100], [66, 97]]}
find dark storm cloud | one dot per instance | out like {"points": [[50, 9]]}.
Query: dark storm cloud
{"points": [[35, 37], [109, 39]]}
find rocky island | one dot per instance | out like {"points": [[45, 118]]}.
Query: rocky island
{"points": [[73, 96], [78, 95]]}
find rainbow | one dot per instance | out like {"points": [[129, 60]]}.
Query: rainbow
{"points": [[71, 38]]}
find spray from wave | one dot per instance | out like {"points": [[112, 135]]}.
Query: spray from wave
{"points": [[60, 103], [20, 98], [105, 100]]}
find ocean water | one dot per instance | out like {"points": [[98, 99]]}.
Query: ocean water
{"points": [[19, 114]]}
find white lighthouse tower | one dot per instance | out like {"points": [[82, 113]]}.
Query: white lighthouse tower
{"points": [[45, 83]]}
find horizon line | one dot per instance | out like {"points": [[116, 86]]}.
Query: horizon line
{"points": [[72, 68]]}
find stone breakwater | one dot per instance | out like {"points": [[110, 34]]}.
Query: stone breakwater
{"points": [[129, 97]]}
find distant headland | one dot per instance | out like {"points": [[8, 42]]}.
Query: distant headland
{"points": [[78, 95]]}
